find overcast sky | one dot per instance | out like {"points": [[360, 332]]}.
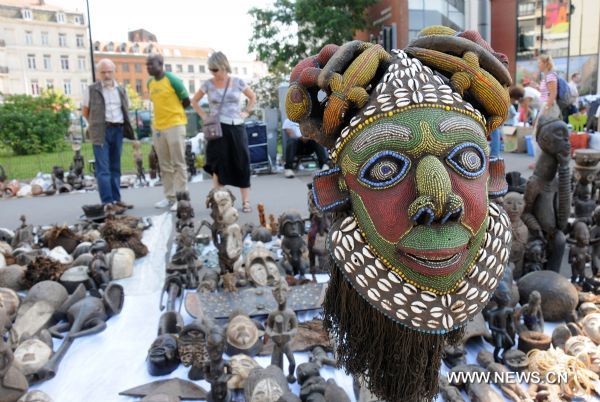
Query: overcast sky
{"points": [[219, 24]]}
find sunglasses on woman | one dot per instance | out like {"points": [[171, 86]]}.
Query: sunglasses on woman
{"points": [[213, 70]]}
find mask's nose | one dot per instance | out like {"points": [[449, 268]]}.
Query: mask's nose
{"points": [[435, 202]]}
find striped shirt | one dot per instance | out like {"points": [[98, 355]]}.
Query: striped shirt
{"points": [[544, 91]]}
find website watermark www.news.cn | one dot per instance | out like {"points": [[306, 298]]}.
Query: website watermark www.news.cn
{"points": [[507, 377]]}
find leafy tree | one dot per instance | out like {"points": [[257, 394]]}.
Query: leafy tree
{"points": [[267, 90], [135, 101], [31, 125], [292, 30]]}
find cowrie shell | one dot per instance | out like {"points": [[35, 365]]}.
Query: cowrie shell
{"points": [[445, 89], [383, 98], [458, 306], [355, 120], [447, 99], [384, 285], [380, 87], [360, 279], [446, 300], [428, 88], [357, 258], [418, 307], [413, 84], [400, 299], [447, 321], [386, 107], [348, 224], [371, 272], [417, 97], [431, 98], [369, 110], [401, 93], [472, 294], [402, 102], [373, 294], [435, 312], [348, 242], [402, 314], [428, 296], [409, 289], [345, 132]]}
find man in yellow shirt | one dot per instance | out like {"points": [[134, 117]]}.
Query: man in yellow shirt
{"points": [[169, 97]]}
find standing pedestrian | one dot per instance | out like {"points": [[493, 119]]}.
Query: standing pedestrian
{"points": [[227, 158], [548, 87], [573, 96], [170, 98], [105, 106]]}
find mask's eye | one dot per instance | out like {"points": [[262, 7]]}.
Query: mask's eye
{"points": [[468, 160], [384, 169]]}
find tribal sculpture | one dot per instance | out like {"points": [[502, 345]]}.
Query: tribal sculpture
{"points": [[415, 249]]}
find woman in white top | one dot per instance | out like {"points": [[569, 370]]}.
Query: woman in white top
{"points": [[227, 158]]}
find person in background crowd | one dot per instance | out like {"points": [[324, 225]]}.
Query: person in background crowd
{"points": [[298, 145], [170, 98], [105, 106], [516, 94], [227, 158], [574, 95], [579, 120], [548, 87]]}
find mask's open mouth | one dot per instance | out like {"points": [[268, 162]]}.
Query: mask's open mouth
{"points": [[435, 262]]}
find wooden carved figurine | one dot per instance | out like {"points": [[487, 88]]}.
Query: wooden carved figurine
{"points": [[547, 199], [579, 254], [153, 163], [190, 160], [595, 241], [533, 318], [291, 227], [512, 390], [218, 371], [281, 327], [502, 326], [514, 204]]}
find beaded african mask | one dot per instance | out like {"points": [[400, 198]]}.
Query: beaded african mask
{"points": [[414, 238]]}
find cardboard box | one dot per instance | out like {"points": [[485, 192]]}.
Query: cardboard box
{"points": [[514, 138]]}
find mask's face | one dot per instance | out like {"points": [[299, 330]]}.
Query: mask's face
{"points": [[418, 187], [241, 332]]}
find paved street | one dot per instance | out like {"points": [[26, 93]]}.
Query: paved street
{"points": [[275, 191]]}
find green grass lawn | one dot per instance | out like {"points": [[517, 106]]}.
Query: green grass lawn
{"points": [[25, 167]]}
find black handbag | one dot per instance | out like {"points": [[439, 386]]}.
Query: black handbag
{"points": [[212, 124]]}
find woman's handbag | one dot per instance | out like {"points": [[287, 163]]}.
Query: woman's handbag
{"points": [[212, 124]]}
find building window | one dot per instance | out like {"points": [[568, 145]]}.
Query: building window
{"points": [[81, 63], [126, 83], [62, 40], [31, 61], [201, 69], [138, 86], [49, 85], [60, 17], [168, 68], [138, 67], [67, 87], [110, 47], [245, 70], [235, 70], [26, 14], [47, 62], [190, 68], [192, 86], [125, 67], [79, 40], [28, 38], [35, 87], [45, 38], [136, 48], [77, 19], [84, 86], [64, 63], [179, 68]]}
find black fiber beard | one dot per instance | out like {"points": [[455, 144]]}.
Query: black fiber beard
{"points": [[397, 363]]}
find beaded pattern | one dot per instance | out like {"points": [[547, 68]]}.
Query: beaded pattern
{"points": [[407, 84], [405, 303]]}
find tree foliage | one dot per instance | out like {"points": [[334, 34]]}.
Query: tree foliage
{"points": [[292, 30], [267, 90], [31, 125]]}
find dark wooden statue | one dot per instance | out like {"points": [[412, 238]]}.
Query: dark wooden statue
{"points": [[502, 325], [291, 227], [23, 235], [75, 175], [218, 371], [579, 254], [153, 163], [548, 199], [281, 326], [533, 260], [595, 241], [190, 160]]}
